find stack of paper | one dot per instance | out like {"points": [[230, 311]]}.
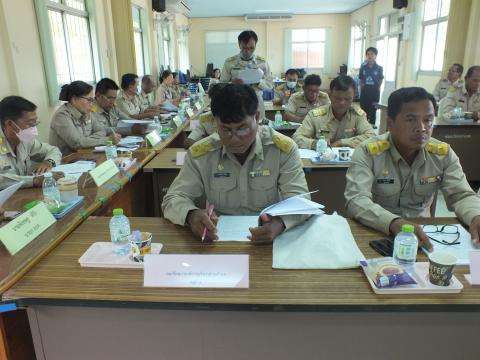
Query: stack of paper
{"points": [[296, 205], [125, 148], [75, 169], [130, 123], [167, 105], [129, 140], [235, 228]]}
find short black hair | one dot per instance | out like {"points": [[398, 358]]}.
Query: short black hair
{"points": [[343, 83], [75, 88], [459, 67], [215, 89], [165, 74], [312, 79], [292, 72], [128, 79], [372, 49], [246, 35], [407, 95], [233, 102], [174, 74], [146, 79], [104, 85], [13, 107], [471, 70]]}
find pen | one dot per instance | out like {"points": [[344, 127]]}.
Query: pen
{"points": [[209, 213]]}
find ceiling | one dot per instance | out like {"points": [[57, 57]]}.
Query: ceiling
{"points": [[214, 8]]}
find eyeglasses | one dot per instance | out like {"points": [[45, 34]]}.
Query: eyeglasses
{"points": [[111, 98], [228, 133], [89, 99], [446, 231]]}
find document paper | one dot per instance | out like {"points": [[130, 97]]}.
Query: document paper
{"points": [[235, 228]]}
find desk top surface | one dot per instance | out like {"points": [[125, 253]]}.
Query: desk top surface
{"points": [[58, 278]]}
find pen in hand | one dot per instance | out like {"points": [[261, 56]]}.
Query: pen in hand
{"points": [[209, 213]]}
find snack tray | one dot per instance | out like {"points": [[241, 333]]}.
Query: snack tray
{"points": [[100, 255], [423, 285]]}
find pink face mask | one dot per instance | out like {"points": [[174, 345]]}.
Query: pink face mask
{"points": [[27, 135]]}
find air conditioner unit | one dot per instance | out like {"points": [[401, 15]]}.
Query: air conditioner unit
{"points": [[178, 6], [269, 17]]}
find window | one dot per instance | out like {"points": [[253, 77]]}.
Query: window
{"points": [[71, 40], [357, 45], [184, 61], [138, 40], [164, 45], [308, 48], [434, 34], [387, 43], [221, 45]]}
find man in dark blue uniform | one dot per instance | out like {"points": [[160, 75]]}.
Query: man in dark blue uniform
{"points": [[371, 77]]}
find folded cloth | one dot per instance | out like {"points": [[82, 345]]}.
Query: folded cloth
{"points": [[322, 242]]}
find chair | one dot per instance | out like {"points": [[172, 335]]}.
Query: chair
{"points": [[209, 70]]}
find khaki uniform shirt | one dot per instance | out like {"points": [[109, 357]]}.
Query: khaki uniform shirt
{"points": [[129, 105], [71, 130], [298, 105], [381, 186], [109, 119], [146, 100], [351, 130], [179, 91], [17, 166], [458, 97], [441, 89], [272, 172], [234, 64], [281, 89], [207, 126], [163, 93]]}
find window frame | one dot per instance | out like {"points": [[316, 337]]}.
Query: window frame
{"points": [[363, 38], [325, 50], [424, 23], [141, 31]]}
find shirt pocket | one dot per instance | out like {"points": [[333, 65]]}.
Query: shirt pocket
{"points": [[224, 192], [263, 191], [423, 194], [386, 194]]}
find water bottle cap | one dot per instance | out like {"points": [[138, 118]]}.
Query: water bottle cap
{"points": [[408, 228], [109, 142], [118, 211], [47, 174], [321, 137]]}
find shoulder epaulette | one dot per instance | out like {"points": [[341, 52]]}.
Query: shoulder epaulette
{"points": [[201, 149], [437, 149], [259, 58], [284, 143], [205, 118], [94, 108], [358, 110], [378, 147], [319, 111], [231, 58], [452, 88]]}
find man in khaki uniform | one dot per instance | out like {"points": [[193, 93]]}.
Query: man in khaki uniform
{"points": [[396, 175], [246, 59], [207, 126], [107, 113], [241, 169], [146, 96], [290, 87], [342, 123], [453, 78], [466, 97], [22, 156], [302, 102], [129, 102]]}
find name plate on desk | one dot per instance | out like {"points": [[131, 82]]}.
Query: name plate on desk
{"points": [[177, 121], [22, 230], [196, 271], [190, 112], [198, 106], [104, 172], [153, 138]]}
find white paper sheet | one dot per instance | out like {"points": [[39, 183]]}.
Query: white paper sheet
{"points": [[128, 140], [76, 169], [180, 157], [167, 105], [250, 76], [130, 123], [307, 153], [293, 206], [9, 191], [235, 228], [119, 148]]}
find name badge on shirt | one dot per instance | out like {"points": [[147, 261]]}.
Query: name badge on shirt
{"points": [[221, 174], [430, 180], [385, 181], [260, 173]]}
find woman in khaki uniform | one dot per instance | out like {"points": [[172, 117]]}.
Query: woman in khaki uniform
{"points": [[72, 126], [166, 91]]}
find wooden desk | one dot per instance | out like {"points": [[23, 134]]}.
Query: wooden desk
{"points": [[465, 141], [328, 179], [382, 128], [287, 314], [271, 109]]}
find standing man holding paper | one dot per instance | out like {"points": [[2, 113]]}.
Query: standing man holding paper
{"points": [[19, 147], [240, 169], [247, 59]]}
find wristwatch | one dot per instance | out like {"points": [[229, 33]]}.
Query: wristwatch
{"points": [[52, 162]]}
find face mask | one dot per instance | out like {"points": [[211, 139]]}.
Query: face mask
{"points": [[243, 57], [291, 84], [27, 135]]}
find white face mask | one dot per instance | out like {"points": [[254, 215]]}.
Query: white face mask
{"points": [[291, 84], [28, 135]]}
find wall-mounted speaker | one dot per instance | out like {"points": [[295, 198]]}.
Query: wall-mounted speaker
{"points": [[399, 4], [158, 5]]}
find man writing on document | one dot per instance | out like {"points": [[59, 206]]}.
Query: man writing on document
{"points": [[395, 175], [240, 169]]}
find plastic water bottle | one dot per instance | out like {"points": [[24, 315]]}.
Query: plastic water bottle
{"points": [[111, 150], [405, 246], [120, 232], [321, 145], [51, 194], [278, 119], [156, 124]]}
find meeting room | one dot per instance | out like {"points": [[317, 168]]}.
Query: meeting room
{"points": [[207, 179]]}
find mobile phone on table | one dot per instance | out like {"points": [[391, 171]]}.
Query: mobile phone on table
{"points": [[383, 246]]}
